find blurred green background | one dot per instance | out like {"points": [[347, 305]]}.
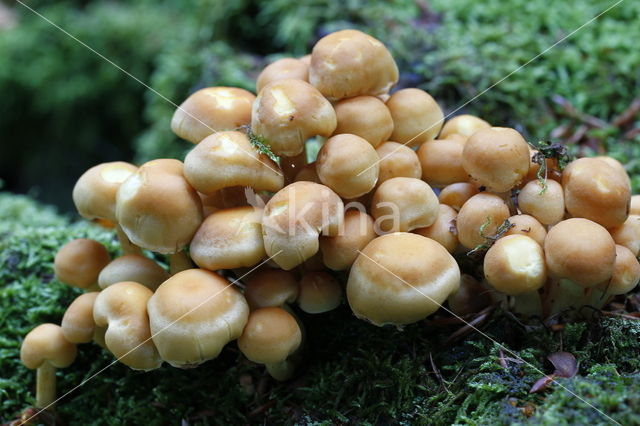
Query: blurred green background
{"points": [[64, 109]]}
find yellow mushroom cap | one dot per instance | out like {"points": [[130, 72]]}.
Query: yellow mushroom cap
{"points": [[580, 250], [441, 162], [523, 224], [417, 117], [463, 125], [157, 208], [133, 267], [349, 63], [122, 308], [270, 287], [443, 230], [282, 69], [270, 336], [545, 203], [319, 292], [211, 110], [401, 278], [340, 251], [397, 160], [46, 343], [193, 315], [628, 234], [79, 262], [480, 217], [94, 194], [364, 116], [77, 324], [626, 273], [634, 207], [456, 194], [229, 238]]}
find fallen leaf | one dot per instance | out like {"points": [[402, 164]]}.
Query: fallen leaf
{"points": [[542, 384], [565, 364]]}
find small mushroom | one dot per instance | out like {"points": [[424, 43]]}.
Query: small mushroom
{"points": [[282, 69], [464, 125], [211, 110], [319, 292], [133, 267], [79, 262], [340, 251], [397, 160], [523, 224], [544, 202], [417, 117], [456, 194], [441, 162], [634, 206], [77, 324], [45, 348], [364, 116], [270, 287], [122, 309], [479, 218], [628, 234], [443, 230], [626, 274]]}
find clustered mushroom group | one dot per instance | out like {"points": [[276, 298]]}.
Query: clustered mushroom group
{"points": [[416, 212]]}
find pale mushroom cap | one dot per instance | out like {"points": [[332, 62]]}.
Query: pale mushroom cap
{"points": [[456, 194], [580, 250], [523, 224], [349, 63], [626, 273], [229, 238], [288, 112], [628, 234], [270, 336], [122, 308], [270, 287], [157, 208], [404, 204], [481, 210], [348, 165], [306, 59], [211, 110], [515, 264], [282, 69], [133, 267], [545, 204], [441, 162], [417, 117], [443, 230], [401, 278], [634, 207], [193, 315], [227, 159], [596, 191], [319, 292], [340, 251], [77, 324], [94, 194], [46, 343], [397, 160], [79, 262], [463, 125], [496, 158], [294, 218], [364, 116]]}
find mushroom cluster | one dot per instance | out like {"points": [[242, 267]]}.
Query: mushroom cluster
{"points": [[416, 212]]}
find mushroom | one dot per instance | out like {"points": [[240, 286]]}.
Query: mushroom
{"points": [[615, 164], [403, 204], [496, 158], [443, 230], [626, 274], [417, 118], [308, 173], [77, 324], [133, 267], [228, 239], [456, 194], [45, 348], [628, 234], [272, 337], [227, 159], [288, 112], [401, 278], [364, 116], [211, 110], [294, 218], [544, 202], [523, 224], [233, 196], [471, 297], [340, 251], [319, 292], [193, 315], [634, 206], [348, 165], [270, 287], [350, 63], [122, 309], [464, 125], [291, 166], [596, 191], [282, 69], [441, 162], [397, 160], [479, 218], [79, 262]]}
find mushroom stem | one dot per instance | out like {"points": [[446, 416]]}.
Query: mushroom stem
{"points": [[46, 386], [282, 370], [528, 303], [179, 261], [561, 295], [127, 246]]}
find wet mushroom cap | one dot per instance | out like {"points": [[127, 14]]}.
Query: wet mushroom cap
{"points": [[270, 287], [480, 217], [397, 160], [401, 278], [46, 343], [270, 336], [77, 324], [456, 194], [626, 273], [364, 116], [628, 234], [340, 251], [79, 262], [464, 125], [441, 162], [282, 69], [319, 292], [133, 267], [211, 110], [417, 117], [523, 224], [443, 230], [544, 202]]}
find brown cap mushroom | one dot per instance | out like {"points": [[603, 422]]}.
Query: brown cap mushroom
{"points": [[348, 165], [193, 315], [319, 292], [228, 159], [340, 251], [626, 273], [364, 116], [634, 207], [456, 194], [417, 117], [349, 63], [45, 348], [628, 234], [157, 208], [479, 218], [229, 238], [523, 224], [443, 230], [133, 267], [544, 202], [77, 324], [79, 262], [441, 162], [295, 217], [464, 125], [401, 278], [282, 69], [288, 112], [270, 287], [122, 308], [210, 110], [397, 160]]}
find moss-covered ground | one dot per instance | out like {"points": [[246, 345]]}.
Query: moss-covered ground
{"points": [[352, 371]]}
